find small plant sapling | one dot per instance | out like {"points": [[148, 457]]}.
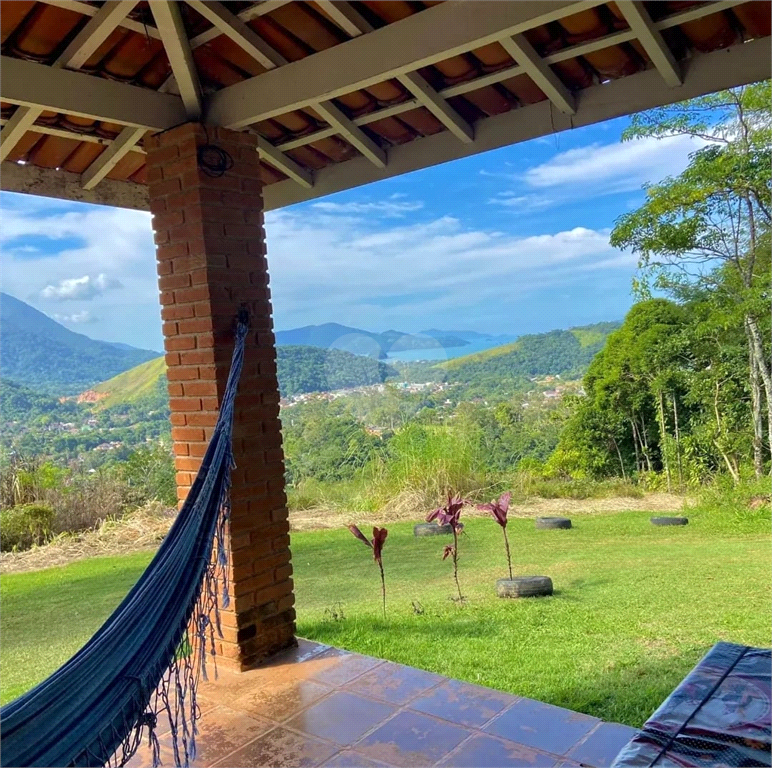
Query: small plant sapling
{"points": [[449, 515], [379, 537], [499, 511]]}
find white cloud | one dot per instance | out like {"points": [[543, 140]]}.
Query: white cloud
{"points": [[619, 167], [76, 318], [80, 288], [407, 275], [529, 202], [394, 207], [73, 241]]}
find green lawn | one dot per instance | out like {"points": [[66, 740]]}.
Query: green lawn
{"points": [[635, 606]]}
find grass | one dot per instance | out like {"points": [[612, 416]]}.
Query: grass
{"points": [[132, 384], [635, 606], [48, 615]]}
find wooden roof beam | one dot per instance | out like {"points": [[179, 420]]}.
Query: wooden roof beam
{"points": [[175, 40], [652, 41], [352, 133], [539, 71], [234, 28], [27, 83], [103, 22], [400, 48], [703, 73], [354, 24], [122, 144]]}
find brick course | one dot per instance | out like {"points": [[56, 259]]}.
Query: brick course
{"points": [[210, 246]]}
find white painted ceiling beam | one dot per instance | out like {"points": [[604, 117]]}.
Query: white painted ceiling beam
{"points": [[704, 73], [259, 9], [354, 24], [399, 48], [174, 37], [91, 138], [539, 71], [230, 25], [120, 146], [27, 83], [285, 164], [91, 10], [615, 38], [352, 133], [99, 27], [82, 46], [652, 41], [346, 17]]}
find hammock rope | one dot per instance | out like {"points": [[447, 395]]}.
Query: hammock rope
{"points": [[145, 661]]}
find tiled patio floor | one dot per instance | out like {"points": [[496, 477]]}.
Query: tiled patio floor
{"points": [[320, 706]]}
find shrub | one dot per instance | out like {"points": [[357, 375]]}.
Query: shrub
{"points": [[24, 526]]}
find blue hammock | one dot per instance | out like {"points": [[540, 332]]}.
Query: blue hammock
{"points": [[147, 657]]}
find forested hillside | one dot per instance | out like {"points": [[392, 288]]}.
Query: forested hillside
{"points": [[564, 353], [44, 355], [310, 369]]}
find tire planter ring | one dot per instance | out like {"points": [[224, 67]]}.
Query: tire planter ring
{"points": [[669, 520], [544, 523], [524, 586], [432, 529]]}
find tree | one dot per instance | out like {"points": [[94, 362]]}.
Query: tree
{"points": [[708, 228]]}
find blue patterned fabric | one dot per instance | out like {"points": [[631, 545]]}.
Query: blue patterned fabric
{"points": [[145, 660], [719, 715]]}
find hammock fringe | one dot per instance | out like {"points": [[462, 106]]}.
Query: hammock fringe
{"points": [[146, 660]]}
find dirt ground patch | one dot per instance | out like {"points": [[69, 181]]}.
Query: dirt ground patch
{"points": [[401, 510], [145, 528]]}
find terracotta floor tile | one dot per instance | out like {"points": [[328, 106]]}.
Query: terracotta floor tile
{"points": [[481, 751], [222, 730], [412, 739], [348, 759], [341, 717], [343, 667], [541, 726], [281, 698], [394, 683], [281, 748], [602, 745], [463, 703]]}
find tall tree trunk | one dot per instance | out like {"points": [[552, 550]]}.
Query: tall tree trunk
{"points": [[619, 455], [663, 451], [645, 445], [757, 349], [677, 443], [635, 446], [756, 416]]}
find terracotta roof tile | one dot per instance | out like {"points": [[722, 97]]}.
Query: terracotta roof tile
{"points": [[39, 32]]}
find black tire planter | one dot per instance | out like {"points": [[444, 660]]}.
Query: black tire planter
{"points": [[669, 520], [544, 523], [432, 529], [524, 586]]}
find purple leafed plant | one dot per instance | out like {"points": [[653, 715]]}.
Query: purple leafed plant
{"points": [[450, 515], [379, 537], [499, 511]]}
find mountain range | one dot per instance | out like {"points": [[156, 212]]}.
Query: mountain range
{"points": [[39, 353], [359, 342]]}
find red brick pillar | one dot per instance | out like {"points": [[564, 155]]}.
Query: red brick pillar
{"points": [[210, 245]]}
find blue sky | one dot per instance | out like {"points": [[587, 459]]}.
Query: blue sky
{"points": [[508, 242]]}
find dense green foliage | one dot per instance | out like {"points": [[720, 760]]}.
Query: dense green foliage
{"points": [[310, 369], [685, 386], [564, 353], [41, 354]]}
